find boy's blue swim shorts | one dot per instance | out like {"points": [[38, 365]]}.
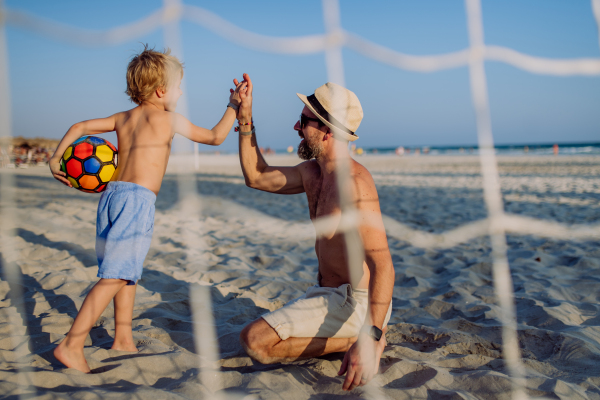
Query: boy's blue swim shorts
{"points": [[124, 227]]}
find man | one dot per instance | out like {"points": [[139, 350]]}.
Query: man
{"points": [[347, 311]]}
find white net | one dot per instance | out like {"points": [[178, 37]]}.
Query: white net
{"points": [[495, 226]]}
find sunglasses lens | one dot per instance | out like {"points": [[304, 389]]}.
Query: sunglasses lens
{"points": [[304, 120]]}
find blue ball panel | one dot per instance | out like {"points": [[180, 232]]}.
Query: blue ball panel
{"points": [[92, 165], [95, 140]]}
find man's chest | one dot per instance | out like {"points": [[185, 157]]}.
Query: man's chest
{"points": [[323, 197]]}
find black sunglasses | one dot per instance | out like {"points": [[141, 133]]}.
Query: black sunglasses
{"points": [[304, 120]]}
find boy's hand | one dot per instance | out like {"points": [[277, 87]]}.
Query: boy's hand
{"points": [[57, 173], [234, 97], [245, 111]]}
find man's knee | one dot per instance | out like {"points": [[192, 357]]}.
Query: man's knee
{"points": [[245, 336], [257, 341]]}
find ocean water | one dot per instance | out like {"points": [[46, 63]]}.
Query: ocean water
{"points": [[516, 149]]}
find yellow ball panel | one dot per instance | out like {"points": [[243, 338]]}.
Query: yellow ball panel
{"points": [[73, 182], [68, 153], [106, 173], [104, 153]]}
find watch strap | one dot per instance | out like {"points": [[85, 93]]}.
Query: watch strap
{"points": [[252, 132], [235, 108], [373, 332]]}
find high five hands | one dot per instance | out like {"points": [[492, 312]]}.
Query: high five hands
{"points": [[243, 90]]}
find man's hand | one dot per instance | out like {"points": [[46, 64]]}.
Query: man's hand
{"points": [[57, 173], [245, 111], [361, 361]]}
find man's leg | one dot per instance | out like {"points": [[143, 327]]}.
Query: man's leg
{"points": [[262, 343], [70, 350], [123, 302]]}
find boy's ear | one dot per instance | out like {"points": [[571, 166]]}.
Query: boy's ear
{"points": [[160, 92]]}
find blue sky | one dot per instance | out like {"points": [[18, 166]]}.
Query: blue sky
{"points": [[54, 84]]}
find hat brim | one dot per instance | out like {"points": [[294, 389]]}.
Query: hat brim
{"points": [[336, 131]]}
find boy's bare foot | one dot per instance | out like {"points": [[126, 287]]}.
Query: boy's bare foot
{"points": [[71, 358], [124, 346]]}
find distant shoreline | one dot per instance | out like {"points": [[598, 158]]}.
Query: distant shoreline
{"points": [[582, 148]]}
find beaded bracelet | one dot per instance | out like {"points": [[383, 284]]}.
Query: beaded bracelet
{"points": [[237, 128]]}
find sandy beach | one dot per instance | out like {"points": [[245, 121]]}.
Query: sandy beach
{"points": [[251, 252]]}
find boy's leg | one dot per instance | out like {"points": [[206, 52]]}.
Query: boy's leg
{"points": [[70, 350], [123, 302]]}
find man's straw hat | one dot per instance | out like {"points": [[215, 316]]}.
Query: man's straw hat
{"points": [[337, 107]]}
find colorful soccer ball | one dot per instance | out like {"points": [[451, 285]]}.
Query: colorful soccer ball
{"points": [[90, 163]]}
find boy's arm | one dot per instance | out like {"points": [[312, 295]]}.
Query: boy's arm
{"points": [[219, 132], [90, 127], [213, 137]]}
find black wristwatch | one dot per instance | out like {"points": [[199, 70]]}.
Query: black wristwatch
{"points": [[374, 332]]}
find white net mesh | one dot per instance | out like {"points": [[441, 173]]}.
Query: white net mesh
{"points": [[497, 224]]}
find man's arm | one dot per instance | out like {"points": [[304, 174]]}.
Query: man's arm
{"points": [[377, 252], [361, 362], [257, 173], [89, 127]]}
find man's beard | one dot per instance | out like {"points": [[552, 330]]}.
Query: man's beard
{"points": [[306, 151]]}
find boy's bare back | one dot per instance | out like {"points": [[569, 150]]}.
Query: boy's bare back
{"points": [[145, 135]]}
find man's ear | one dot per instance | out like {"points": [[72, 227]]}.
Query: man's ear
{"points": [[328, 135]]}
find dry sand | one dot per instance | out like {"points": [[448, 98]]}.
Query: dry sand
{"points": [[253, 251]]}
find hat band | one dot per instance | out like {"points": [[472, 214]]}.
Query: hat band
{"points": [[323, 113]]}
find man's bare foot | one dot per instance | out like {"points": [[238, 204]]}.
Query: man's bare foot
{"points": [[124, 346], [71, 358]]}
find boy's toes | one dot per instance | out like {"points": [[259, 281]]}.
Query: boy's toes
{"points": [[71, 359]]}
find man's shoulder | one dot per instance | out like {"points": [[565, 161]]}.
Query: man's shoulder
{"points": [[309, 168], [363, 180], [361, 174]]}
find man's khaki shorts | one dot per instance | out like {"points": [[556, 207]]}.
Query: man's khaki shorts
{"points": [[323, 312]]}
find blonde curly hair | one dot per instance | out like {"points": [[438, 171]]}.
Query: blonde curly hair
{"points": [[151, 70]]}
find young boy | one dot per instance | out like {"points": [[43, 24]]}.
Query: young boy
{"points": [[125, 219]]}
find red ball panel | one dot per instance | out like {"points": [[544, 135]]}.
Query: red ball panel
{"points": [[83, 150], [74, 168]]}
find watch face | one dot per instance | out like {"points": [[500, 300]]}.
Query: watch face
{"points": [[376, 333]]}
